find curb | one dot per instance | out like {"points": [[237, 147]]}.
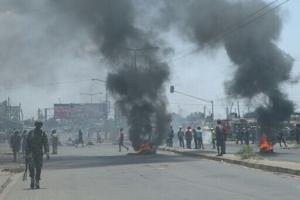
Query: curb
{"points": [[260, 166]]}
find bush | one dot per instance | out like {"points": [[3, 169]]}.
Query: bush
{"points": [[246, 152]]}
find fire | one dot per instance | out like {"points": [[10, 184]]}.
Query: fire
{"points": [[265, 144], [146, 149]]}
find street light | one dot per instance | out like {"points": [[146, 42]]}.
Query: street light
{"points": [[172, 90]]}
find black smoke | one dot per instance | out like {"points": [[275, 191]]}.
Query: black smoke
{"points": [[137, 88], [261, 66]]}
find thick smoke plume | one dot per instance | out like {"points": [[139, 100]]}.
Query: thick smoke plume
{"points": [[261, 67], [138, 89]]}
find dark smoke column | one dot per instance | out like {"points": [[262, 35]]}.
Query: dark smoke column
{"points": [[140, 95], [261, 67], [138, 90]]}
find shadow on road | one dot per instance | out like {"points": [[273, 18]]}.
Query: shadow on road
{"points": [[73, 162]]}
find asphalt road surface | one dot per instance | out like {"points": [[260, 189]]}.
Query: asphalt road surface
{"points": [[100, 172]]}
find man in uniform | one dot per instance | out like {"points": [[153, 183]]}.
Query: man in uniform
{"points": [[180, 135], [15, 144], [37, 145]]}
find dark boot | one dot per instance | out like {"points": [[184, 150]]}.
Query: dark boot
{"points": [[32, 183], [37, 184]]}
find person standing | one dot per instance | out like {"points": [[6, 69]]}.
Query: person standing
{"points": [[213, 137], [247, 135], [170, 137], [54, 141], [121, 140], [180, 135], [80, 138], [15, 144], [195, 138], [297, 133], [220, 138], [189, 137], [37, 145], [199, 134], [99, 140], [281, 138], [24, 142]]}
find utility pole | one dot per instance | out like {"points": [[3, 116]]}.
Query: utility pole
{"points": [[135, 50], [91, 95]]}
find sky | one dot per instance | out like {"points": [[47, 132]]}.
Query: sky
{"points": [[200, 74]]}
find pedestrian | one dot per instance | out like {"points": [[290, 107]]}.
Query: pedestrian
{"points": [[253, 134], [281, 138], [199, 137], [213, 137], [180, 135], [121, 140], [170, 137], [37, 145], [99, 137], [15, 144], [54, 141], [189, 137], [297, 132], [195, 138], [24, 142], [220, 138], [247, 136], [80, 138]]}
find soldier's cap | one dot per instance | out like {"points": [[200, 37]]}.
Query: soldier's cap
{"points": [[38, 123]]}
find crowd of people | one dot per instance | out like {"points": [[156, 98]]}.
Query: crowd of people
{"points": [[194, 136]]}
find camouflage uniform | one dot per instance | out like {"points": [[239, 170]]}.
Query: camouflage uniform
{"points": [[37, 141]]}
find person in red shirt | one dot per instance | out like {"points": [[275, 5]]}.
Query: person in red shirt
{"points": [[121, 140]]}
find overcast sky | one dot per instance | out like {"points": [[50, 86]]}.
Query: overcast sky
{"points": [[201, 74]]}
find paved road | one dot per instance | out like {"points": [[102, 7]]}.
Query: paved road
{"points": [[103, 173]]}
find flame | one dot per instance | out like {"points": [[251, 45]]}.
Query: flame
{"points": [[265, 144], [146, 149]]}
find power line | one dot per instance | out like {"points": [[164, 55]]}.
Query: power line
{"points": [[246, 21]]}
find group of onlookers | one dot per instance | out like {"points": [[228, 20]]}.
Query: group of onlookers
{"points": [[185, 138]]}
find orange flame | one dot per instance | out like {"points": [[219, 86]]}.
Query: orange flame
{"points": [[146, 149], [265, 144]]}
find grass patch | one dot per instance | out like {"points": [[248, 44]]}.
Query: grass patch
{"points": [[246, 152]]}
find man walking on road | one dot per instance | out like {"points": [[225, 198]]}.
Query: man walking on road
{"points": [[180, 135], [37, 145], [15, 144], [220, 138], [121, 141]]}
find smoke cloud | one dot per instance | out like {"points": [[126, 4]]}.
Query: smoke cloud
{"points": [[137, 88], [261, 67]]}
